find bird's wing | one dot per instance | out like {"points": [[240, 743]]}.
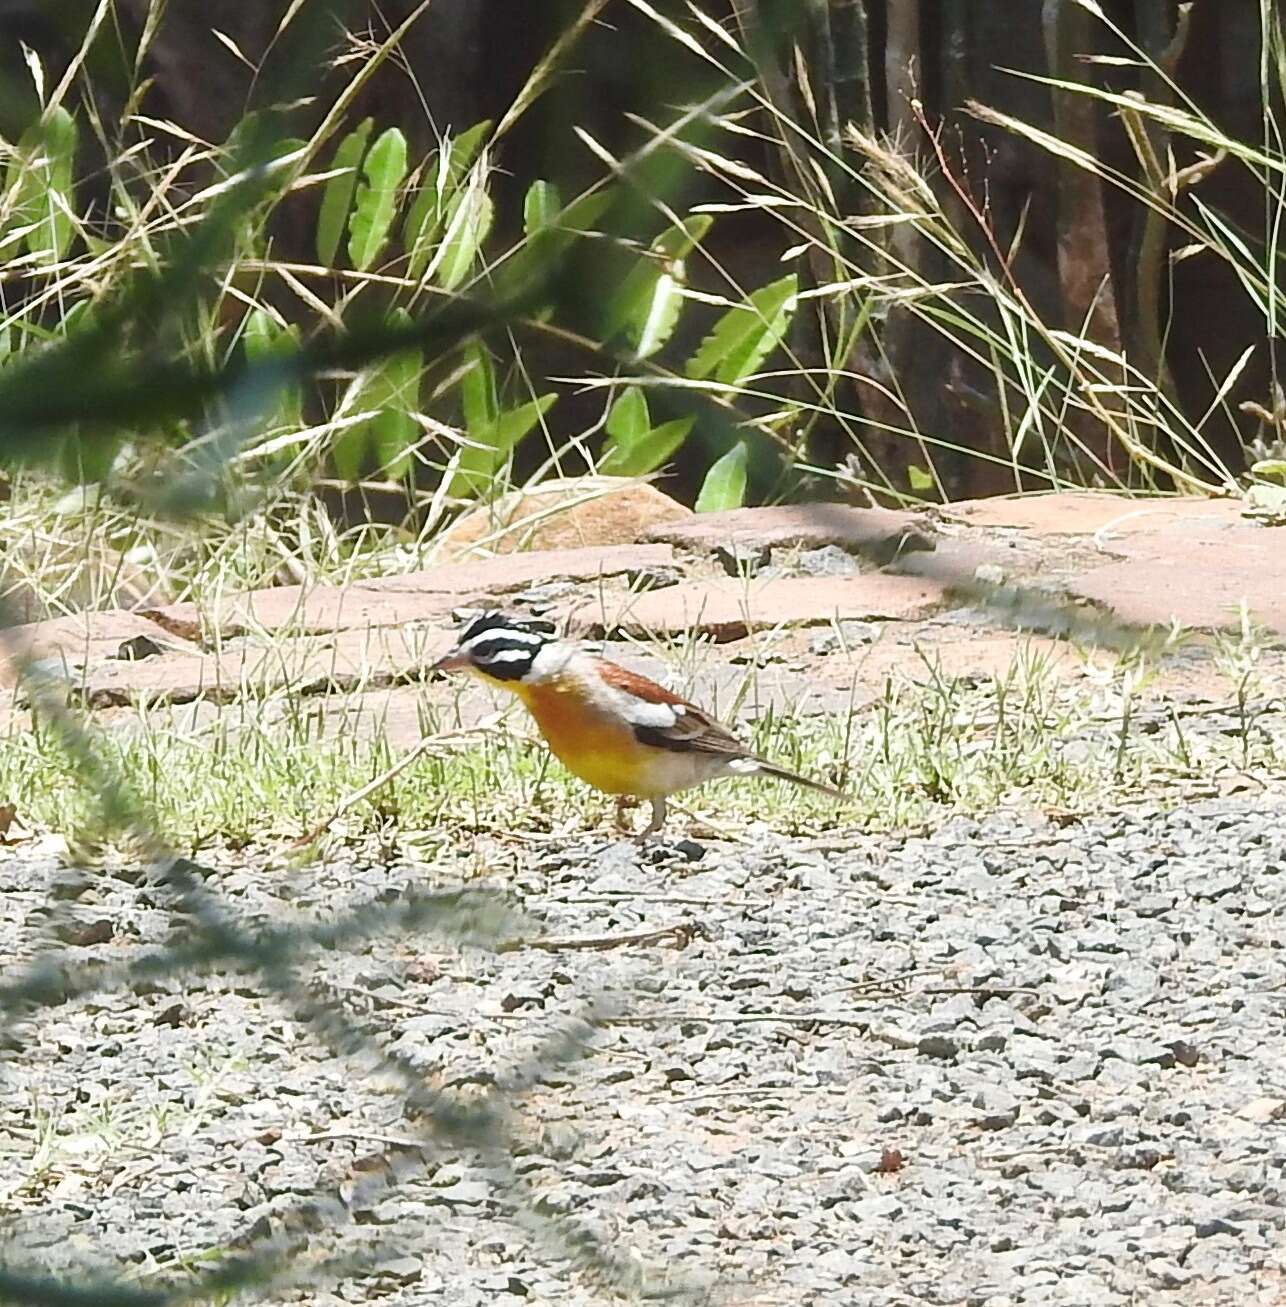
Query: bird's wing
{"points": [[663, 720]]}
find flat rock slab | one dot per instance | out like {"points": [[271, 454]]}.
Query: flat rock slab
{"points": [[881, 534], [976, 657], [296, 610], [424, 596], [344, 662], [731, 610], [77, 640], [1083, 513], [1196, 575], [514, 571]]}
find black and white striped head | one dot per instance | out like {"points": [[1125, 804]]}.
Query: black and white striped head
{"points": [[501, 647]]}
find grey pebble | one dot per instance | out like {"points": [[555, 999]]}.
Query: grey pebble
{"points": [[829, 560]]}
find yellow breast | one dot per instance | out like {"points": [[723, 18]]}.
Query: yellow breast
{"points": [[590, 743]]}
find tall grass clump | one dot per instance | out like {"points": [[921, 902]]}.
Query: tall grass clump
{"points": [[892, 247]]}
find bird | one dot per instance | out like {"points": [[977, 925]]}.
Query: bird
{"points": [[617, 730]]}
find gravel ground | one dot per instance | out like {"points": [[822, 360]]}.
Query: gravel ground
{"points": [[1006, 1063]]}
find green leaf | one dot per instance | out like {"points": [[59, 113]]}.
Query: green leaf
{"points": [[337, 198], [649, 452], [276, 184], [469, 218], [540, 207], [395, 433], [481, 460], [745, 335], [419, 230], [662, 312], [679, 240], [244, 141], [628, 419], [646, 306], [919, 479], [462, 150], [583, 212], [428, 211], [376, 202], [725, 483], [634, 448], [459, 153], [263, 338], [40, 179], [60, 144], [349, 449], [514, 424], [548, 244], [391, 387], [1271, 469]]}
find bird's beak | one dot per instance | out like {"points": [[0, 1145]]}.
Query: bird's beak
{"points": [[455, 661]]}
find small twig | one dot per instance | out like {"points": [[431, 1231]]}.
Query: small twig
{"points": [[832, 844], [580, 900], [966, 198], [757, 1091], [744, 1018], [360, 1136], [681, 934], [721, 831], [991, 991], [880, 982]]}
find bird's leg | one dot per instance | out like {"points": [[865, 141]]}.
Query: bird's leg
{"points": [[658, 818], [624, 802]]}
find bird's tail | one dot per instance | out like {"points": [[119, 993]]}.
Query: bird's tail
{"points": [[765, 768]]}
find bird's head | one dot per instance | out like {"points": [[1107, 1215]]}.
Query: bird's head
{"points": [[501, 648]]}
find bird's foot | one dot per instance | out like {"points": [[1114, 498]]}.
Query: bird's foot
{"points": [[658, 820]]}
